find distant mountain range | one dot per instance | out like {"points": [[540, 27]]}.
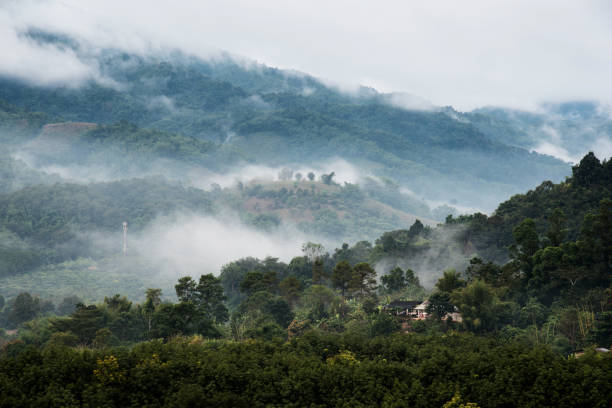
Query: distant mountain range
{"points": [[224, 111]]}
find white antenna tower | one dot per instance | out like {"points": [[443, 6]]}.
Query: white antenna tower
{"points": [[124, 238]]}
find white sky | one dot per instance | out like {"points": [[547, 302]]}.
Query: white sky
{"points": [[462, 53]]}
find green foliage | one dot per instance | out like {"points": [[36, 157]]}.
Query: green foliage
{"points": [[291, 289], [206, 297], [395, 370], [68, 305], [342, 275], [450, 281], [83, 323], [383, 324], [127, 137], [480, 308], [440, 304], [363, 279], [394, 280], [23, 308]]}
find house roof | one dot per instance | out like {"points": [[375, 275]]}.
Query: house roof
{"points": [[423, 306], [402, 304]]}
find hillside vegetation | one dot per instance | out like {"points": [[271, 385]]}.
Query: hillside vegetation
{"points": [[276, 118]]}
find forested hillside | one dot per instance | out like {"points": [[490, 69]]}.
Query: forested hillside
{"points": [[276, 118], [51, 222], [301, 331]]}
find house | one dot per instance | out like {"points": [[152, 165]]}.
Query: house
{"points": [[420, 311], [403, 308], [416, 310]]}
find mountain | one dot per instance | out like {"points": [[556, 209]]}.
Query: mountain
{"points": [[280, 118], [566, 130]]}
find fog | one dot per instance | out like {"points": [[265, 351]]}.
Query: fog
{"points": [[445, 253], [65, 160], [183, 244], [191, 244], [469, 54], [343, 172]]}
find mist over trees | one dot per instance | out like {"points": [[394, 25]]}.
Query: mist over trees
{"points": [[184, 109], [401, 295]]}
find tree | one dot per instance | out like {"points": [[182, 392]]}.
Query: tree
{"points": [[569, 325], [298, 176], [394, 280], [476, 303], [412, 279], [318, 271], [328, 178], [104, 337], [311, 176], [313, 251], [46, 306], [589, 171], [84, 322], [68, 305], [118, 303], [185, 289], [252, 282], [285, 174], [369, 305], [416, 228], [488, 272], [291, 289], [25, 307], [206, 296], [342, 275], [556, 231], [363, 279], [153, 296], [440, 304], [342, 254], [211, 299], [450, 281], [181, 318], [595, 242], [259, 281], [527, 244], [280, 310], [152, 301], [383, 324], [300, 267], [317, 300]]}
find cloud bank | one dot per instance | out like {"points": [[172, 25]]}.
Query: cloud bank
{"points": [[468, 54]]}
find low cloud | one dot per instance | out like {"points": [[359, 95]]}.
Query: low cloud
{"points": [[554, 150], [603, 147], [40, 64], [189, 244], [409, 102], [445, 253], [344, 172], [162, 102], [195, 245]]}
